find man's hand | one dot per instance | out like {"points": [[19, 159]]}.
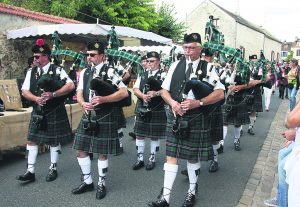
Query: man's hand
{"points": [[289, 134], [87, 106], [96, 100], [146, 97], [47, 95], [177, 109], [40, 101], [151, 94], [189, 104]]}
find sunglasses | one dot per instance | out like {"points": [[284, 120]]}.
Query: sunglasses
{"points": [[150, 61], [37, 56], [91, 54]]}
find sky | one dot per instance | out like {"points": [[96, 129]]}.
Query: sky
{"points": [[280, 17]]}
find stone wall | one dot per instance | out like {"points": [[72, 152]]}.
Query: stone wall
{"points": [[14, 53]]}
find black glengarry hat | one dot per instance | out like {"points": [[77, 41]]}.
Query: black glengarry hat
{"points": [[97, 45], [208, 52], [41, 47], [193, 37], [153, 54], [144, 57]]}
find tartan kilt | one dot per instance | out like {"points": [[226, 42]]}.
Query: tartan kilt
{"points": [[58, 128], [121, 118], [156, 127], [241, 116], [198, 146], [105, 140], [217, 124], [257, 105]]}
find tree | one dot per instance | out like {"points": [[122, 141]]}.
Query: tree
{"points": [[139, 14], [167, 25]]}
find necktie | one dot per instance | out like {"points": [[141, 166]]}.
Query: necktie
{"points": [[94, 72], [189, 70]]}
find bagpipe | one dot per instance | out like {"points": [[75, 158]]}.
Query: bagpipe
{"points": [[201, 87], [145, 109], [48, 82], [104, 86]]}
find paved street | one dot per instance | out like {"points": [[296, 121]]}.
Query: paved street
{"points": [[135, 188]]}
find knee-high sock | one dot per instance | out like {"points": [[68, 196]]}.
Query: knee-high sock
{"points": [[237, 133], [120, 135], [170, 175], [225, 129], [154, 145], [140, 147], [32, 155], [85, 165], [193, 172], [102, 170], [215, 148], [54, 154], [252, 121]]}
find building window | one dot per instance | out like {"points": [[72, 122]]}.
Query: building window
{"points": [[298, 53], [284, 53]]}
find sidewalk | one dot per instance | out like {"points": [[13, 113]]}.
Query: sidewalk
{"points": [[262, 182]]}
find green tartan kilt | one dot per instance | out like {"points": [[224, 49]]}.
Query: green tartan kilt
{"points": [[235, 112], [217, 124], [155, 128], [257, 105], [121, 118], [198, 146], [105, 139], [58, 128]]}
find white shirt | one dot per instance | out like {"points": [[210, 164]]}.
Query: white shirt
{"points": [[213, 76], [138, 80], [61, 71], [98, 68]]}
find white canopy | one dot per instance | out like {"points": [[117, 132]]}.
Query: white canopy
{"points": [[83, 31]]}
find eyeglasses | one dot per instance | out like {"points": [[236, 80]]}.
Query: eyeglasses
{"points": [[190, 48], [150, 61], [91, 54], [37, 56]]}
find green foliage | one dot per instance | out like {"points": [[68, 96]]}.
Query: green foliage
{"points": [[167, 25], [290, 56], [139, 14]]}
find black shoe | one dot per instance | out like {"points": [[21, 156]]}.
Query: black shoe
{"points": [[286, 97], [83, 188], [251, 132], [189, 200], [161, 202], [52, 175], [138, 165], [213, 166], [101, 191], [237, 145], [150, 165], [184, 172], [220, 149], [132, 134], [28, 176]]}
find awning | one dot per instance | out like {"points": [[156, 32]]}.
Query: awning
{"points": [[85, 32]]}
